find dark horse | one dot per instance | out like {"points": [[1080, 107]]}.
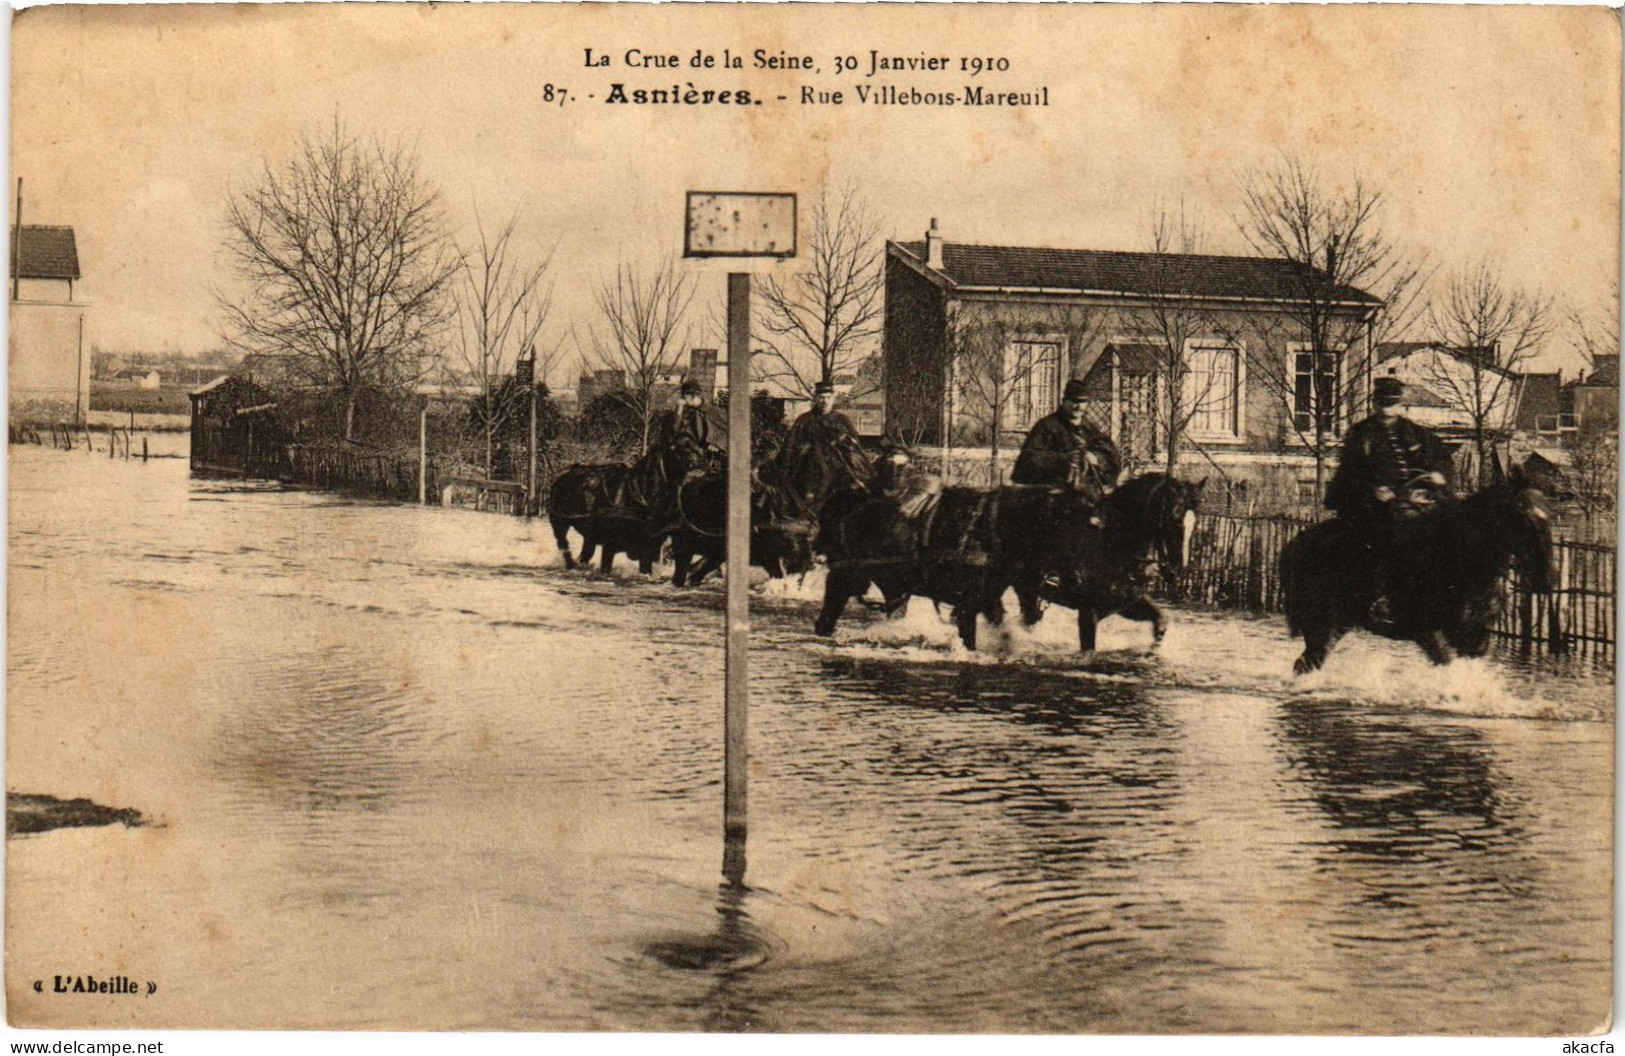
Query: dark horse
{"points": [[970, 544], [1443, 574], [612, 506], [781, 530], [1107, 570]]}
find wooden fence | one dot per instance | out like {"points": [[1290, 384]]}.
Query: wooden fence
{"points": [[354, 472], [1235, 564]]}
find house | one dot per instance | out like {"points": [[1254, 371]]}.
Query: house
{"points": [[49, 359], [1596, 395], [137, 378], [1211, 350], [1454, 390], [1541, 411]]}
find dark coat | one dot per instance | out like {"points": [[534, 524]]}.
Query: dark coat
{"points": [[691, 433], [1378, 453], [829, 437], [1054, 447]]}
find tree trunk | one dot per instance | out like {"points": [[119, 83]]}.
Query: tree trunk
{"points": [[349, 417]]}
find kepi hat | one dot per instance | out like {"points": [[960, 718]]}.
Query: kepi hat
{"points": [[824, 387], [1387, 391], [1075, 390], [689, 387]]}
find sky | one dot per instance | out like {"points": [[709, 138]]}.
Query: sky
{"points": [[1492, 132]]}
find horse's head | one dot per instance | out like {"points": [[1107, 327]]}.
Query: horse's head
{"points": [[1156, 513]]}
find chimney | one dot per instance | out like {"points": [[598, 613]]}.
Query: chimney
{"points": [[933, 247], [702, 367]]}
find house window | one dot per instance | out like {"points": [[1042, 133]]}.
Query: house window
{"points": [[1138, 416], [1213, 391], [1032, 375], [1315, 391]]}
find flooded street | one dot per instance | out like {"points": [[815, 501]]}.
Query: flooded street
{"points": [[402, 770]]}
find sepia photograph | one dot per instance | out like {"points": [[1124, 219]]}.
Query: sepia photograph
{"points": [[820, 519]]}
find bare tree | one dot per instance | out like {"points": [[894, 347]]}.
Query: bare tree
{"points": [[1595, 333], [1334, 236], [1006, 365], [641, 332], [1167, 325], [343, 253], [822, 320], [1489, 331], [502, 306]]}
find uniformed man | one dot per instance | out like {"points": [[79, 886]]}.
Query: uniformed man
{"points": [[692, 434], [1389, 465], [822, 433], [1064, 450]]}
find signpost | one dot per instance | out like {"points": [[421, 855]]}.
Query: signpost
{"points": [[739, 227], [524, 374]]}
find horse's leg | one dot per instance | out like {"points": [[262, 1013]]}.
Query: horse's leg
{"points": [[589, 546], [1145, 610], [1317, 641], [561, 536], [1436, 648], [1086, 630], [709, 563], [680, 559], [839, 585], [606, 560], [965, 615], [1031, 611]]}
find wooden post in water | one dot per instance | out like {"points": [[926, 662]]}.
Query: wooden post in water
{"points": [[738, 687], [739, 226]]}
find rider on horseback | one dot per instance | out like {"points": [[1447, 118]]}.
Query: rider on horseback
{"points": [[1063, 450], [1389, 470], [692, 437], [825, 434]]}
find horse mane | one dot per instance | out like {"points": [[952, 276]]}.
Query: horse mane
{"points": [[1132, 505]]}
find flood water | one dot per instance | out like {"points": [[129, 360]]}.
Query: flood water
{"points": [[405, 771]]}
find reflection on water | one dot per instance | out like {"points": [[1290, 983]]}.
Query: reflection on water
{"points": [[410, 773]]}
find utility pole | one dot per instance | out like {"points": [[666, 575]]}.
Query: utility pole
{"points": [[531, 504], [17, 245]]}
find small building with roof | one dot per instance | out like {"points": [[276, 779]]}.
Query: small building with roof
{"points": [[979, 341], [49, 356]]}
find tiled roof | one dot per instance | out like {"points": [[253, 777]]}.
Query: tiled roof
{"points": [[1538, 398], [45, 253], [1132, 273], [1485, 355]]}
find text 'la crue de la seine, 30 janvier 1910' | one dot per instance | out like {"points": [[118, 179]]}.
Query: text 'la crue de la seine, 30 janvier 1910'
{"points": [[862, 77]]}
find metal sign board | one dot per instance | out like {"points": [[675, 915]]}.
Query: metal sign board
{"points": [[524, 373], [740, 224]]}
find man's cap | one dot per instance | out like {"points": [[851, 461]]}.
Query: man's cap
{"points": [[689, 387], [824, 388], [1387, 391], [1075, 390]]}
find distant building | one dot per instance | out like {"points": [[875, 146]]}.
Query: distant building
{"points": [[1445, 386], [1596, 395], [49, 358]]}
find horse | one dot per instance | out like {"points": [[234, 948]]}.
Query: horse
{"points": [[780, 530], [610, 505], [1105, 569], [969, 544], [1443, 574]]}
